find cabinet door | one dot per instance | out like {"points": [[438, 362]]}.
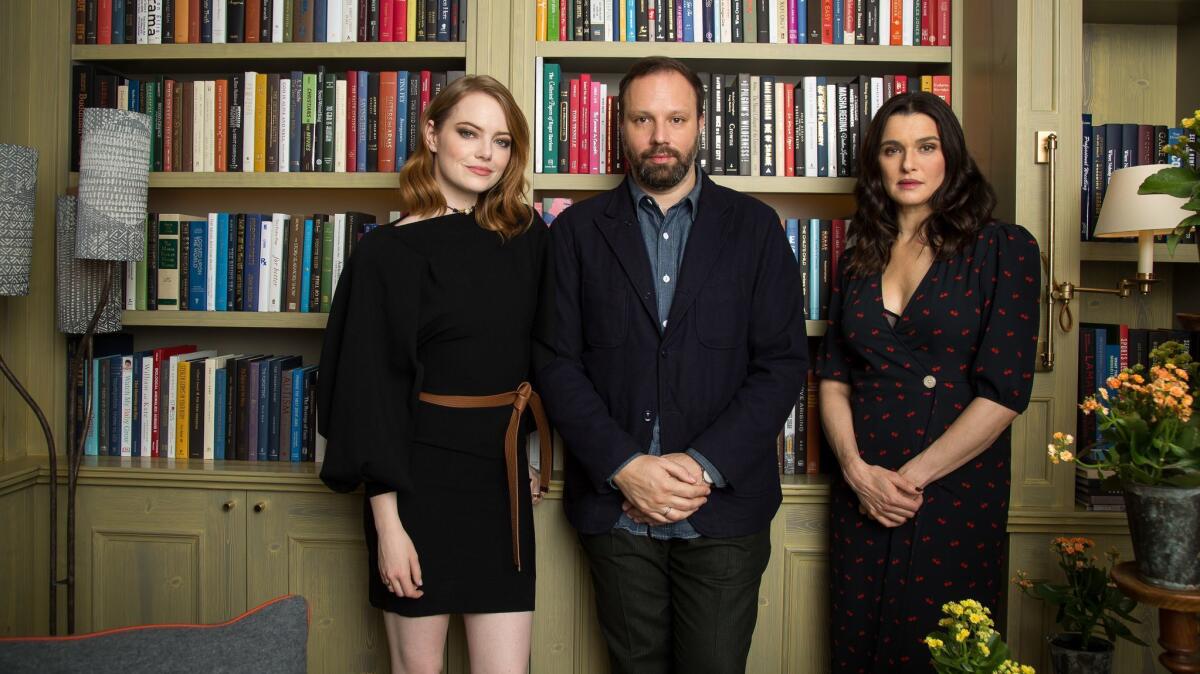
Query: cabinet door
{"points": [[311, 544], [158, 555]]}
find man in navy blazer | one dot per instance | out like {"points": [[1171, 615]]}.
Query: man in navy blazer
{"points": [[677, 348]]}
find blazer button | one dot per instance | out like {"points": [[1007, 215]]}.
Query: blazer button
{"points": [[929, 381], [647, 416], [663, 353]]}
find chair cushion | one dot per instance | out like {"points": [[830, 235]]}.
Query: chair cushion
{"points": [[269, 639]]}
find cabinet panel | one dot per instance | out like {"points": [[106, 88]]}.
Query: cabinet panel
{"points": [[23, 558], [148, 555], [806, 607], [312, 545]]}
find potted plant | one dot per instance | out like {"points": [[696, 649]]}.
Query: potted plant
{"points": [[1151, 432], [1089, 602], [1181, 181], [968, 642]]}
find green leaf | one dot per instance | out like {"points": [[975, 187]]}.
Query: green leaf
{"points": [[1176, 181]]}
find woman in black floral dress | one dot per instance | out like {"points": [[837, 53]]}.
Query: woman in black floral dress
{"points": [[929, 357]]}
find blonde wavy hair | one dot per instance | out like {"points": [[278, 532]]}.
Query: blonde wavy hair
{"points": [[501, 209]]}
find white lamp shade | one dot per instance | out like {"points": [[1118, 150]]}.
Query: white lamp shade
{"points": [[18, 188], [114, 179], [1127, 213]]}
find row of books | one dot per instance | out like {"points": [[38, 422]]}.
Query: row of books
{"points": [[818, 246], [1110, 147], [923, 23], [799, 443], [178, 402], [268, 262], [754, 125], [356, 121], [1095, 492], [239, 21], [1104, 350]]}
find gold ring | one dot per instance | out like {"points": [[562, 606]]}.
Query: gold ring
{"points": [[667, 511]]}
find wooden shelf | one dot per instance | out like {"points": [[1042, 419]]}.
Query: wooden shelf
{"points": [[287, 181], [167, 57], [288, 321], [265, 475], [750, 184], [1100, 251], [224, 319], [1145, 12], [823, 59]]}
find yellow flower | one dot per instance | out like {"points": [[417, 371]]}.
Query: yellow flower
{"points": [[1104, 393], [1026, 669], [984, 649], [962, 635], [976, 618], [956, 609], [1137, 379], [933, 643], [1189, 122]]}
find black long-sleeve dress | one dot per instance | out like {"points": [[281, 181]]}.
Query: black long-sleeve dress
{"points": [[439, 306], [970, 330]]}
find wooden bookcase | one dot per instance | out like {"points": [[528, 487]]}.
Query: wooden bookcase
{"points": [[1017, 66]]}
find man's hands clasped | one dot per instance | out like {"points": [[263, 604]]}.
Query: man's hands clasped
{"points": [[662, 489]]}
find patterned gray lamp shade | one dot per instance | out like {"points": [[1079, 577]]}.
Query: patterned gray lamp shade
{"points": [[18, 188], [78, 282], [114, 177]]}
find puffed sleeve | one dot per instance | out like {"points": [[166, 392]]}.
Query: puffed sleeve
{"points": [[1009, 273], [369, 376], [834, 359]]}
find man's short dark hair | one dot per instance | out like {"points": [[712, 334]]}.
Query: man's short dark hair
{"points": [[660, 64]]}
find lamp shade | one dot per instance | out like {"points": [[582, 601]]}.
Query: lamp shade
{"points": [[114, 178], [18, 189], [78, 282], [1127, 213]]}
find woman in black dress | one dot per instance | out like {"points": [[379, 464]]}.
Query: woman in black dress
{"points": [[422, 387], [928, 358]]}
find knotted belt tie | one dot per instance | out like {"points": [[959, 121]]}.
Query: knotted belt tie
{"points": [[519, 399]]}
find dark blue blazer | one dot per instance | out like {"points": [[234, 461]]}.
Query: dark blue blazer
{"points": [[722, 377]]}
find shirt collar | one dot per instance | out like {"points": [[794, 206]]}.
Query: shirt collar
{"points": [[693, 197]]}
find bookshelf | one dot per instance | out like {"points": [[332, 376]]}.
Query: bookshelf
{"points": [[1135, 68], [791, 197], [201, 192]]}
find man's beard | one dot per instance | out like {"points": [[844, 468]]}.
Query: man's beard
{"points": [[662, 176]]}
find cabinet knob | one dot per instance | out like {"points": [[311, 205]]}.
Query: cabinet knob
{"points": [[228, 505], [260, 506]]}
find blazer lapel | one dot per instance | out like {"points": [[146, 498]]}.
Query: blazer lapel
{"points": [[618, 225], [704, 246]]}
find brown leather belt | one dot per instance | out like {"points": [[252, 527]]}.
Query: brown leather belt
{"points": [[519, 399]]}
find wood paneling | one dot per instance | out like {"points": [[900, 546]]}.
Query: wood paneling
{"points": [[159, 555], [312, 545], [1129, 74]]}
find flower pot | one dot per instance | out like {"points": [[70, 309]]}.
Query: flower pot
{"points": [[1164, 523], [1067, 658]]}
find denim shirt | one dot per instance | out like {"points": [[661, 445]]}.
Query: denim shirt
{"points": [[666, 237]]}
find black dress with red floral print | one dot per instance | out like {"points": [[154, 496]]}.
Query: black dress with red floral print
{"points": [[969, 330]]}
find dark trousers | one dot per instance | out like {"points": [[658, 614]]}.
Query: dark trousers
{"points": [[681, 605]]}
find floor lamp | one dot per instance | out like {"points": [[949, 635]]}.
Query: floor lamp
{"points": [[104, 225], [18, 196]]}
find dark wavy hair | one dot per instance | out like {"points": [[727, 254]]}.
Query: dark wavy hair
{"points": [[961, 205]]}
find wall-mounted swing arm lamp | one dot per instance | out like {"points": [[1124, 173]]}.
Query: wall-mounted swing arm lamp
{"points": [[1124, 213]]}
